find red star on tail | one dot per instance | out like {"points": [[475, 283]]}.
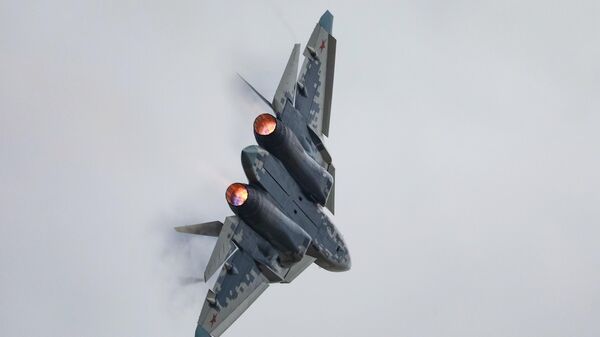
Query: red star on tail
{"points": [[322, 45]]}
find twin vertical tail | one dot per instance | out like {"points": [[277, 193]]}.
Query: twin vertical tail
{"points": [[287, 86], [319, 52], [286, 90], [321, 46]]}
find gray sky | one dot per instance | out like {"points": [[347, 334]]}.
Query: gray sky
{"points": [[464, 133]]}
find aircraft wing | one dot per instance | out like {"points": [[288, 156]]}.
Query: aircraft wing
{"points": [[315, 82], [239, 284], [247, 263]]}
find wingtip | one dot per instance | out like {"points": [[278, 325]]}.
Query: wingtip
{"points": [[200, 332], [326, 21]]}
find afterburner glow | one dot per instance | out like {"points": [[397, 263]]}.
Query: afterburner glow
{"points": [[236, 194], [265, 124]]}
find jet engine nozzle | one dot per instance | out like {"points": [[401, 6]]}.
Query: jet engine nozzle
{"points": [[265, 124], [255, 207], [236, 194], [282, 142]]}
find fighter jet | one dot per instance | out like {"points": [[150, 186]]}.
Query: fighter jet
{"points": [[280, 226]]}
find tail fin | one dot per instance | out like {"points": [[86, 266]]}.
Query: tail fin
{"points": [[287, 86], [315, 83]]}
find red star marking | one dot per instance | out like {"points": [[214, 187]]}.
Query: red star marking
{"points": [[322, 45], [213, 320]]}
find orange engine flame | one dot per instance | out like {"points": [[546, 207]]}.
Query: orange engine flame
{"points": [[236, 194], [265, 124]]}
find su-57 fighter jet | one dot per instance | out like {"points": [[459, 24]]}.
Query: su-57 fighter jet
{"points": [[280, 226]]}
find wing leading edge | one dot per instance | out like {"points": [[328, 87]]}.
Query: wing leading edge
{"points": [[247, 264], [239, 284], [315, 83], [243, 258]]}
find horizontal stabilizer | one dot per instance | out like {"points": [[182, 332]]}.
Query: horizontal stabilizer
{"points": [[212, 228]]}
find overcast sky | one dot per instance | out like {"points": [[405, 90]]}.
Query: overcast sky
{"points": [[466, 137]]}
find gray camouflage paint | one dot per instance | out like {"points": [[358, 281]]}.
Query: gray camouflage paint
{"points": [[287, 86], [313, 99], [264, 169], [494, 111], [249, 261]]}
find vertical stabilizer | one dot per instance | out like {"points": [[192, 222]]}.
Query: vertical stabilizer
{"points": [[315, 83], [287, 85]]}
